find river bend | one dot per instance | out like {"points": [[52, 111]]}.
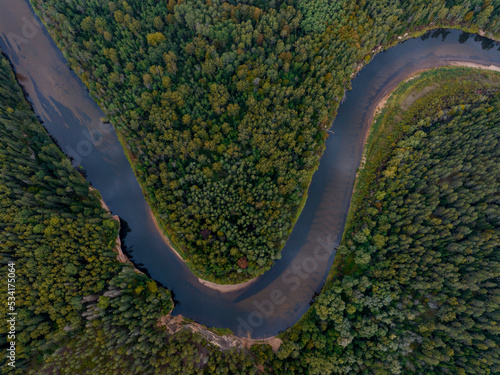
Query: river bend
{"points": [[281, 296]]}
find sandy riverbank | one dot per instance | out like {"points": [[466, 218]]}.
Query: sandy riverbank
{"points": [[474, 65], [223, 288], [378, 106], [165, 238]]}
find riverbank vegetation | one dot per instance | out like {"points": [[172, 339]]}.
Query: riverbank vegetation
{"points": [[51, 227], [77, 308], [222, 106], [414, 286]]}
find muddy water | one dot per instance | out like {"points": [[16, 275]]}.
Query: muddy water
{"points": [[279, 297]]}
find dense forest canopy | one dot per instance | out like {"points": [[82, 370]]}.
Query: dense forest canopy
{"points": [[61, 242], [222, 106], [78, 309], [52, 228], [415, 287]]}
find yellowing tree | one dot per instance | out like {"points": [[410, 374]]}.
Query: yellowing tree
{"points": [[155, 38]]}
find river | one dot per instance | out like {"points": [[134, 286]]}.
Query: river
{"points": [[277, 299]]}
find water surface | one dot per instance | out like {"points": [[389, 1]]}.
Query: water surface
{"points": [[282, 295]]}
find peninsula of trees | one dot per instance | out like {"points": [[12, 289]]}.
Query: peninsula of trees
{"points": [[413, 289], [222, 106]]}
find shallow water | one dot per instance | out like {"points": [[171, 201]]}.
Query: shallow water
{"points": [[282, 295]]}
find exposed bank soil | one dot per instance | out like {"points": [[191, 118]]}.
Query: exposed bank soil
{"points": [[488, 35], [122, 258], [223, 288], [227, 288], [474, 65], [377, 107], [118, 248], [177, 323]]}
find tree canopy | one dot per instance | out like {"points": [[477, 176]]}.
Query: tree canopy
{"points": [[415, 286], [222, 106]]}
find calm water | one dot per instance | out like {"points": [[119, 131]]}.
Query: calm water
{"points": [[282, 295]]}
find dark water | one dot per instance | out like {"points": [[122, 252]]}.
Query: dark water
{"points": [[282, 295]]}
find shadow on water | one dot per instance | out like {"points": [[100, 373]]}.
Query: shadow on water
{"points": [[279, 297]]}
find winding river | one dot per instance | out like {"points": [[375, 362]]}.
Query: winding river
{"points": [[277, 299]]}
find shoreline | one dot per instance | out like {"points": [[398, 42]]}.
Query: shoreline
{"points": [[227, 288], [165, 238], [379, 105], [174, 324], [373, 111], [121, 257], [492, 67], [223, 288]]}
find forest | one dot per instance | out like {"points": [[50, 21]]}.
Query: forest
{"points": [[414, 287], [222, 106], [78, 308], [222, 109]]}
